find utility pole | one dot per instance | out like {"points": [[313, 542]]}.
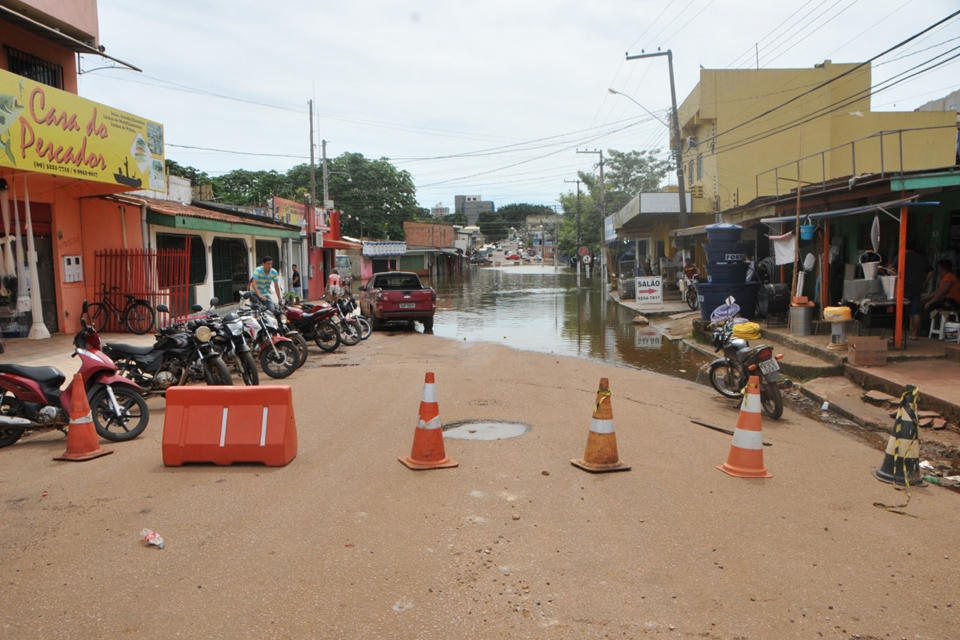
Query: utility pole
{"points": [[603, 213], [326, 185], [677, 143], [312, 209], [578, 228]]}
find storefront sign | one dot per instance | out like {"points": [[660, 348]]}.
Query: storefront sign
{"points": [[46, 130], [291, 212], [649, 290]]}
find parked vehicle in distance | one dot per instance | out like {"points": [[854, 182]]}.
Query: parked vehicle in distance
{"points": [[513, 256], [345, 267], [397, 296]]}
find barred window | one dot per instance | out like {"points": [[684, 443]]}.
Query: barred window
{"points": [[34, 68]]}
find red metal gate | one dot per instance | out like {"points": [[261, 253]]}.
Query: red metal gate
{"points": [[159, 276]]}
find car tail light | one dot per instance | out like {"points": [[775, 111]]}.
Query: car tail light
{"points": [[765, 354]]}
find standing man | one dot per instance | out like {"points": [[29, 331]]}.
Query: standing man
{"points": [[295, 282], [263, 277]]}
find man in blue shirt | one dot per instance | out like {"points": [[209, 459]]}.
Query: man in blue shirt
{"points": [[262, 278]]}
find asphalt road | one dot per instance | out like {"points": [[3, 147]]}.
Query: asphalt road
{"points": [[345, 542]]}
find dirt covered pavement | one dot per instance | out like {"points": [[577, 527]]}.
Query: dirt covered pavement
{"points": [[346, 542]]}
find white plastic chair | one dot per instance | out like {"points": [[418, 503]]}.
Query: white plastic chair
{"points": [[938, 324]]}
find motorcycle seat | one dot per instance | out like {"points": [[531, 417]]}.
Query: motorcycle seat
{"points": [[129, 349], [44, 375], [319, 313]]}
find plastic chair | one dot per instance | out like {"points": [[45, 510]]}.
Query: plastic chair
{"points": [[938, 324]]}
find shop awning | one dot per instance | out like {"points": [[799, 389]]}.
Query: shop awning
{"points": [[882, 206], [49, 33], [329, 243], [384, 249], [700, 230]]}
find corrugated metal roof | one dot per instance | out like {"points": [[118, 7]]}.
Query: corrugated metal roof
{"points": [[170, 208]]}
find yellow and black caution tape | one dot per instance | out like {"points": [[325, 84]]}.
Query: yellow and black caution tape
{"points": [[908, 405], [601, 395]]}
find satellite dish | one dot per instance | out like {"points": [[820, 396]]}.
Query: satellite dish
{"points": [[875, 234]]}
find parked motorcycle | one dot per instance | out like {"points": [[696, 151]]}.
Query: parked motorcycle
{"points": [[314, 323], [181, 354], [339, 313], [729, 374], [32, 399], [233, 343], [353, 311], [278, 355]]}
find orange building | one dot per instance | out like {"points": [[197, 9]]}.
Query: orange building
{"points": [[63, 151]]}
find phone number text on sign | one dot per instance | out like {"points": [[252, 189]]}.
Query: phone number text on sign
{"points": [[649, 290]]}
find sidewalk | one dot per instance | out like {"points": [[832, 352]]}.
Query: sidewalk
{"points": [[825, 375], [57, 350]]}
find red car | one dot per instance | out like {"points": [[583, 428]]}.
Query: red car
{"points": [[513, 256]]}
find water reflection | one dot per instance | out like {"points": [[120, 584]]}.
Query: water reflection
{"points": [[541, 309]]}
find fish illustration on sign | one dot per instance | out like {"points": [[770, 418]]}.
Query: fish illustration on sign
{"points": [[10, 110]]}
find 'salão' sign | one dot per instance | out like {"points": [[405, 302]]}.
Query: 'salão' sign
{"points": [[649, 290], [50, 131]]}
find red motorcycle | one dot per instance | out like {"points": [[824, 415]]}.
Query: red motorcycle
{"points": [[32, 399], [315, 323]]}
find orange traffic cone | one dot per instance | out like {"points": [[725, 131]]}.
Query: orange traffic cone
{"points": [[601, 454], [427, 452], [82, 441], [746, 453]]}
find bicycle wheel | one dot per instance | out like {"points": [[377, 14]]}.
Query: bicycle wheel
{"points": [[139, 317], [97, 313]]}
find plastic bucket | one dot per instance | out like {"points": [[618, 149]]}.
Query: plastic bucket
{"points": [[727, 273], [889, 286], [870, 269], [806, 231], [950, 330], [726, 252], [713, 295], [723, 232]]}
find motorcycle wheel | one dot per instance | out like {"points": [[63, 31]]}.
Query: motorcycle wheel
{"points": [[770, 399], [216, 372], [139, 318], [349, 332], [327, 338], [280, 363], [301, 343], [133, 417], [9, 435], [248, 369], [365, 328], [725, 379]]}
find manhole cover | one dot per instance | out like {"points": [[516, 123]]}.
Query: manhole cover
{"points": [[484, 430]]}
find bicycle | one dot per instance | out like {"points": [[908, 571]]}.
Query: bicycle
{"points": [[136, 315], [688, 292]]}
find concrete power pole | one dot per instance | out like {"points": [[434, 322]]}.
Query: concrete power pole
{"points": [[578, 227], [603, 213], [677, 143]]}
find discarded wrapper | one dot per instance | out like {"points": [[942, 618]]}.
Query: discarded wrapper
{"points": [[152, 538]]}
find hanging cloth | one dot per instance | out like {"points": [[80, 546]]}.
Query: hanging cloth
{"points": [[783, 248], [23, 293], [8, 266], [38, 331]]}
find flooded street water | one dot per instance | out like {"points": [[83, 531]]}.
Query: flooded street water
{"points": [[541, 309]]}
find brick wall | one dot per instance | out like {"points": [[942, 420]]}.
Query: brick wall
{"points": [[420, 234]]}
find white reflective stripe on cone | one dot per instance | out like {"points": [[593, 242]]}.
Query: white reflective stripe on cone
{"points": [[263, 427], [433, 424], [752, 403], [601, 426], [223, 426], [429, 393], [748, 439], [912, 450], [82, 420]]}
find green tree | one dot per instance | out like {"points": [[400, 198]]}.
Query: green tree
{"points": [[515, 215], [627, 174], [492, 225], [248, 188], [589, 223], [195, 176]]}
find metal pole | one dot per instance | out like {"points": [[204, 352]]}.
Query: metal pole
{"points": [[326, 185], [677, 148]]}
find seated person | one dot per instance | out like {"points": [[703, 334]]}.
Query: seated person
{"points": [[690, 271], [947, 295]]}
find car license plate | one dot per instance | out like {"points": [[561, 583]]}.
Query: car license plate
{"points": [[769, 366], [408, 305]]}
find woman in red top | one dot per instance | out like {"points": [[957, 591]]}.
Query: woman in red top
{"points": [[947, 295], [333, 284]]}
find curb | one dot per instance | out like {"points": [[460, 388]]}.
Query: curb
{"points": [[868, 381]]}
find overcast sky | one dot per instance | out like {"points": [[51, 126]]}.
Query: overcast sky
{"points": [[488, 98]]}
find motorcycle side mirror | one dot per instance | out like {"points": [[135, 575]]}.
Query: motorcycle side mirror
{"points": [[162, 308], [196, 308], [86, 307], [214, 302]]}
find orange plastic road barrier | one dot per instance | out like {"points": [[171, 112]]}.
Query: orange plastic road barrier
{"points": [[746, 453], [427, 452], [82, 440], [224, 425], [601, 453]]}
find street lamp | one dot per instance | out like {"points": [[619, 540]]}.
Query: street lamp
{"points": [[630, 98]]}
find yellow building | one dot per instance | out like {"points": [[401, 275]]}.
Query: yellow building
{"points": [[744, 131]]}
